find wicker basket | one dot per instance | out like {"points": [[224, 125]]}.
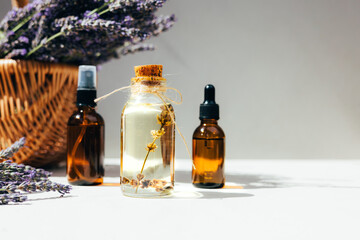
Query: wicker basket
{"points": [[36, 100]]}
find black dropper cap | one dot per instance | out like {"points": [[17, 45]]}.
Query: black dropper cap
{"points": [[209, 109]]}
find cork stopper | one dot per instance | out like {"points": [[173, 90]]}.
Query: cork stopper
{"points": [[148, 71]]}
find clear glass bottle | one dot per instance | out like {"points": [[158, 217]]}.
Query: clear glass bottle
{"points": [[85, 138], [147, 136], [208, 145]]}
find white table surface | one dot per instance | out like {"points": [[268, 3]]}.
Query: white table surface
{"points": [[263, 199]]}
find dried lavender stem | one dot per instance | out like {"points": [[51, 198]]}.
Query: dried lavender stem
{"points": [[47, 41], [104, 11], [99, 8], [147, 155], [26, 20], [148, 152], [14, 148]]}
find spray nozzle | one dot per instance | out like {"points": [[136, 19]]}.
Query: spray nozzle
{"points": [[87, 77], [209, 109], [86, 91]]}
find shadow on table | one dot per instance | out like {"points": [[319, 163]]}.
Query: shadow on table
{"points": [[261, 181], [28, 202], [245, 181], [48, 198], [213, 194]]}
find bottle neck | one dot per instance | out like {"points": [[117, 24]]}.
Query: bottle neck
{"points": [[147, 86], [209, 122], [86, 108], [86, 98]]}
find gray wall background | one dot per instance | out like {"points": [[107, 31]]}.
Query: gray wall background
{"points": [[286, 72]]}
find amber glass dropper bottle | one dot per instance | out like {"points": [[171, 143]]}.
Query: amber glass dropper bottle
{"points": [[208, 145], [85, 138]]}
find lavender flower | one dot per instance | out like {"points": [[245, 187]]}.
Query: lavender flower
{"points": [[89, 14], [137, 48], [18, 179], [44, 186], [15, 197], [81, 31], [16, 53], [10, 151], [27, 172]]}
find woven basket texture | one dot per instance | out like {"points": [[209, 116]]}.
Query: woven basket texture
{"points": [[36, 100]]}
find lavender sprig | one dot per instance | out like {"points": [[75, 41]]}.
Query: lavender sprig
{"points": [[10, 151], [31, 187], [18, 172], [18, 179], [45, 186], [80, 31], [137, 48], [14, 197]]}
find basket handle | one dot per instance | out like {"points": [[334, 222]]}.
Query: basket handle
{"points": [[19, 3]]}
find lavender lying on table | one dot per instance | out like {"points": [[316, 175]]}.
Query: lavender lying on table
{"points": [[18, 179], [81, 31]]}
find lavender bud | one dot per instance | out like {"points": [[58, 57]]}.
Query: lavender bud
{"points": [[13, 197], [10, 151]]}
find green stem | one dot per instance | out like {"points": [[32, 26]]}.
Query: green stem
{"points": [[47, 41], [15, 29], [22, 23], [101, 8], [104, 11], [60, 33]]}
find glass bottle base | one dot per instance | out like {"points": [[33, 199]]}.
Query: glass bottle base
{"points": [[145, 193], [209, 185], [86, 183]]}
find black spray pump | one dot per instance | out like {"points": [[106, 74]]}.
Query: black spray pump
{"points": [[209, 109], [86, 91]]}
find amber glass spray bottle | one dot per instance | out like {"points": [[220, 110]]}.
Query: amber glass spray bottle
{"points": [[85, 139], [208, 145]]}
